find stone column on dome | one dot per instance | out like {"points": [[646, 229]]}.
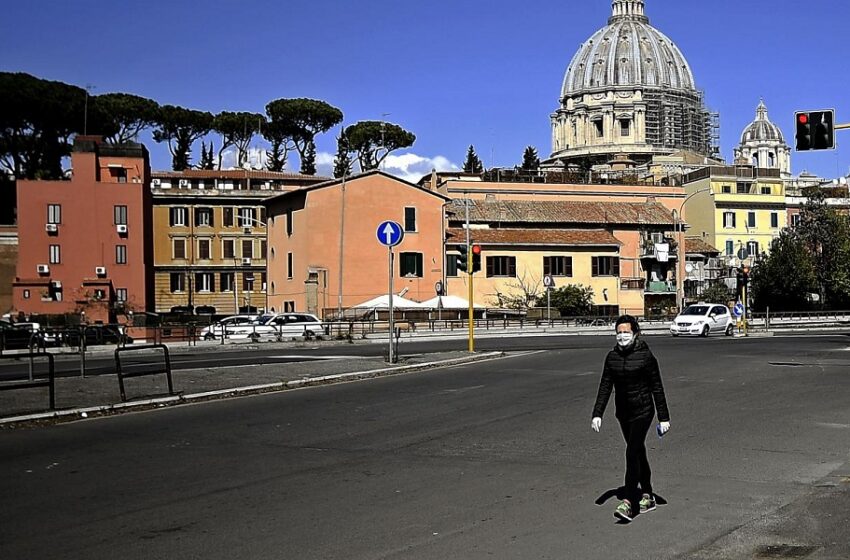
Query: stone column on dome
{"points": [[640, 125]]}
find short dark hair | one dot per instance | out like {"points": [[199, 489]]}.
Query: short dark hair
{"points": [[623, 319]]}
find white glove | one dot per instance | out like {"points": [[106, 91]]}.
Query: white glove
{"points": [[596, 424], [665, 427]]}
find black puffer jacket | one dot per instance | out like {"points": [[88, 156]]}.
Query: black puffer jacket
{"points": [[632, 373]]}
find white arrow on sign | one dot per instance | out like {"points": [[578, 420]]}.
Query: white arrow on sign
{"points": [[389, 232]]}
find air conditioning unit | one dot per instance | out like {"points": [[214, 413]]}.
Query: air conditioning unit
{"points": [[42, 268], [100, 270], [657, 237], [246, 261], [156, 182], [57, 285], [184, 183], [51, 228], [121, 228]]}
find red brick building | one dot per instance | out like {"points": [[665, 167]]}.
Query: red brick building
{"points": [[85, 244]]}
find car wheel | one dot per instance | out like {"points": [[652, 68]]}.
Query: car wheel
{"points": [[704, 332], [730, 329], [675, 334], [209, 336]]}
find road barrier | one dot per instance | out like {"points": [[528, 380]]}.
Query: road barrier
{"points": [[166, 368], [32, 382]]}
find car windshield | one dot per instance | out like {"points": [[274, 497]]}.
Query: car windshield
{"points": [[696, 310]]}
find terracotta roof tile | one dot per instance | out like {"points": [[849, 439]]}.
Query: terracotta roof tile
{"points": [[699, 245], [565, 212], [510, 236], [237, 174]]}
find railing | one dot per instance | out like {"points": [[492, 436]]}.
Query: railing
{"points": [[32, 382], [660, 288]]}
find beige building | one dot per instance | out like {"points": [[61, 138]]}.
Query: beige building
{"points": [[210, 241]]}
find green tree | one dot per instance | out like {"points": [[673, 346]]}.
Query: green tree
{"points": [[530, 159], [342, 160], [280, 135], [37, 119], [375, 140], [572, 300], [120, 117], [473, 162], [303, 119], [207, 158], [784, 279], [826, 234], [716, 293], [308, 161], [179, 128], [237, 130]]}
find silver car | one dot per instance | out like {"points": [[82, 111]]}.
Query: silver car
{"points": [[226, 325], [702, 319], [281, 325]]}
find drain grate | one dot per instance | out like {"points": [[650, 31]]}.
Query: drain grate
{"points": [[787, 364], [785, 551]]}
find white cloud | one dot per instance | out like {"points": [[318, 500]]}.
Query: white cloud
{"points": [[256, 158], [410, 167]]}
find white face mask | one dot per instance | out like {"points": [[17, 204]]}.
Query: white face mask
{"points": [[624, 339]]}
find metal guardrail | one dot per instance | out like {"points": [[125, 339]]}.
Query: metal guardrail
{"points": [[33, 383], [166, 369]]}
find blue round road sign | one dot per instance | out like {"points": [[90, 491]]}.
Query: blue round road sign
{"points": [[389, 233], [738, 310]]}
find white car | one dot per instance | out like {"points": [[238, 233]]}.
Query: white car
{"points": [[281, 325], [227, 324], [702, 319]]}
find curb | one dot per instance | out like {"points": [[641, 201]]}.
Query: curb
{"points": [[103, 410]]}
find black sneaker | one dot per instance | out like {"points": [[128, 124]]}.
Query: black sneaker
{"points": [[624, 511]]}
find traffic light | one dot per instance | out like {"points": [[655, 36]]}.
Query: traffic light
{"points": [[815, 130], [463, 259], [476, 258]]}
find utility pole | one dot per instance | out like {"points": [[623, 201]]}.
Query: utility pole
{"points": [[469, 283]]}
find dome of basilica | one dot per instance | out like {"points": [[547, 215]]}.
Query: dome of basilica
{"points": [[761, 129], [627, 52]]}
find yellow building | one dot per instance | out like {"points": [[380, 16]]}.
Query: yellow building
{"points": [[735, 207], [210, 245]]}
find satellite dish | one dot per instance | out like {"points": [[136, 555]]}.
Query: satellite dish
{"points": [[689, 268]]}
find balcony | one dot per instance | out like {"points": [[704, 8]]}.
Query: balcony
{"points": [[649, 249], [661, 287]]}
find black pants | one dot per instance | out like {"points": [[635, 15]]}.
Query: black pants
{"points": [[638, 473]]}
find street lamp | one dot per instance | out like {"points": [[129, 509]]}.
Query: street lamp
{"points": [[679, 230]]}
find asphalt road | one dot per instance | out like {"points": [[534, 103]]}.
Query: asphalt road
{"points": [[486, 460]]}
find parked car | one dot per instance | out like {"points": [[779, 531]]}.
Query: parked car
{"points": [[226, 325], [18, 337], [281, 325], [702, 319], [97, 334]]}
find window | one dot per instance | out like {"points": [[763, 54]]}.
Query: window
{"points": [[264, 249], [248, 282], [288, 306], [55, 254], [120, 215], [26, 294], [796, 219], [753, 248], [227, 217], [226, 280], [605, 266], [178, 216], [247, 217], [262, 215], [204, 282], [728, 219], [179, 248], [120, 254], [119, 174], [765, 190], [204, 249], [289, 265], [751, 219], [54, 213], [178, 282], [247, 248], [289, 228], [228, 249], [771, 160], [599, 130], [451, 265], [263, 280], [121, 295], [774, 219], [501, 266], [730, 247], [726, 189], [558, 266], [410, 219], [204, 217], [410, 264], [625, 127], [743, 188]]}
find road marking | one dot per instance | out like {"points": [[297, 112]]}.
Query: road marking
{"points": [[463, 389], [832, 425]]}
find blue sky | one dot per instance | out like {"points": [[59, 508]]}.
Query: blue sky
{"points": [[454, 72]]}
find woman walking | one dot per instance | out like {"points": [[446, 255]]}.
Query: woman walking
{"points": [[631, 371]]}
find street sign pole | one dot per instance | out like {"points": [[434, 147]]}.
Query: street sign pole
{"points": [[549, 305], [746, 306], [471, 292], [392, 324]]}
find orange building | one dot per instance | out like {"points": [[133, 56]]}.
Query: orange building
{"points": [[85, 244], [324, 253]]}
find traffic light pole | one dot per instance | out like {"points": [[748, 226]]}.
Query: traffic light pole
{"points": [[469, 282]]}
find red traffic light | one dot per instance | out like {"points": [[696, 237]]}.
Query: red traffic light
{"points": [[476, 249], [803, 118]]}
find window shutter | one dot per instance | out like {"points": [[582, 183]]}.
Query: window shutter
{"points": [[512, 266], [547, 266], [595, 267], [420, 268], [616, 261], [490, 261]]}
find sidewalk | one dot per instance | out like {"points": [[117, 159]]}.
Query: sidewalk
{"points": [[78, 397]]}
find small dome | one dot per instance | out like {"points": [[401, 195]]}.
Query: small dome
{"points": [[627, 52], [761, 129]]}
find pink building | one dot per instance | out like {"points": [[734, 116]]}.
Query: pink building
{"points": [[323, 248], [85, 244]]}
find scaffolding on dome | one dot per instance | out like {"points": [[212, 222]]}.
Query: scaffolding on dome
{"points": [[679, 120]]}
